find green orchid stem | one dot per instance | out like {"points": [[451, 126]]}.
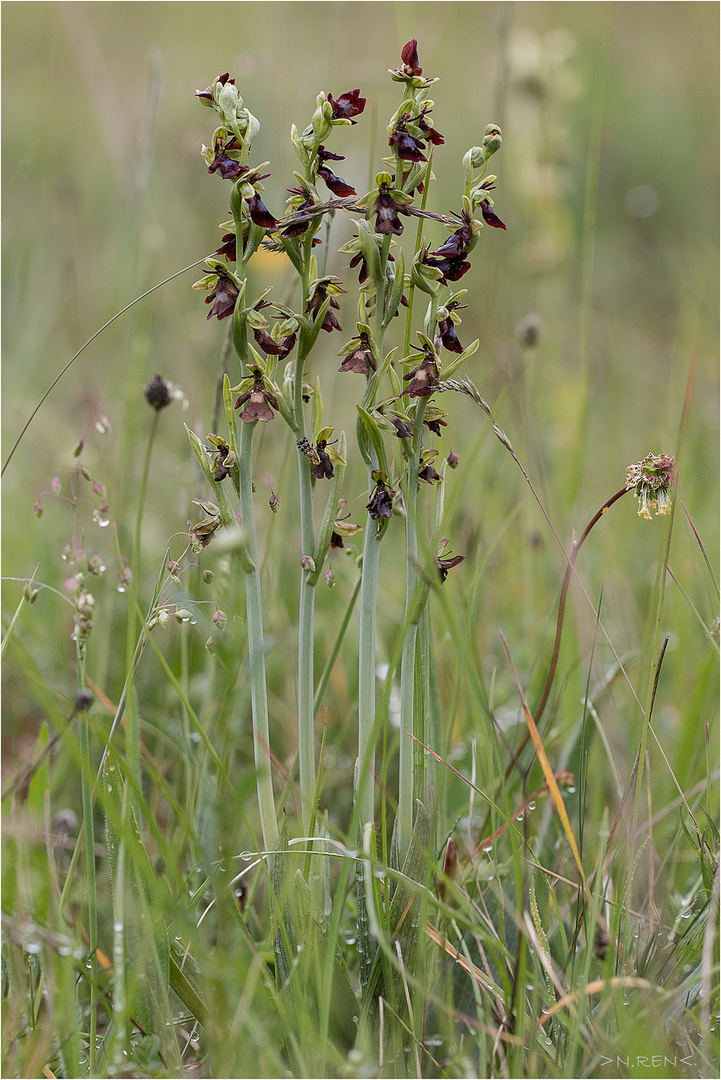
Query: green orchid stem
{"points": [[306, 727], [256, 653], [408, 658], [365, 787], [306, 712]]}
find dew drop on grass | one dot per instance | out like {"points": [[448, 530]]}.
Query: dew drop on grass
{"points": [[571, 790], [532, 805], [246, 856], [519, 817], [118, 928], [121, 588], [487, 849]]}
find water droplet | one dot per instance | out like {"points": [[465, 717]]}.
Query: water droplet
{"points": [[121, 588], [380, 874], [519, 817], [532, 805], [487, 848], [571, 790], [32, 947], [246, 856], [110, 788]]}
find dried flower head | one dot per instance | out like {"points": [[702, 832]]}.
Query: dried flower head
{"points": [[159, 392], [652, 479]]}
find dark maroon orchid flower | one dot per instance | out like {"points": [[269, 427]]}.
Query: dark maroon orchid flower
{"points": [[335, 183], [448, 337], [387, 211], [435, 425], [228, 168], [228, 247], [297, 228], [456, 244], [430, 134], [451, 269], [274, 348], [449, 258], [409, 56], [324, 469], [361, 359], [222, 297], [260, 214], [444, 565], [490, 217], [380, 504], [446, 333], [347, 106], [220, 468], [359, 260], [424, 379], [257, 401], [208, 94], [403, 430], [407, 147], [429, 475], [316, 302]]}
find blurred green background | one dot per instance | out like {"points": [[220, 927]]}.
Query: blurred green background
{"points": [[608, 182]]}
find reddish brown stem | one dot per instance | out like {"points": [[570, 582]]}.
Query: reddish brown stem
{"points": [[575, 548]]}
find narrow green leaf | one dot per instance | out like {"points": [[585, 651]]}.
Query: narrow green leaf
{"points": [[450, 369], [375, 437]]}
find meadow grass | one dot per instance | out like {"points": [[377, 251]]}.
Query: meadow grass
{"points": [[187, 879]]}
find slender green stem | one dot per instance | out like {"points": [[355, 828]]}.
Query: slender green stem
{"points": [[132, 728], [306, 713], [651, 691], [256, 654], [333, 655], [365, 785], [408, 659], [86, 792]]}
